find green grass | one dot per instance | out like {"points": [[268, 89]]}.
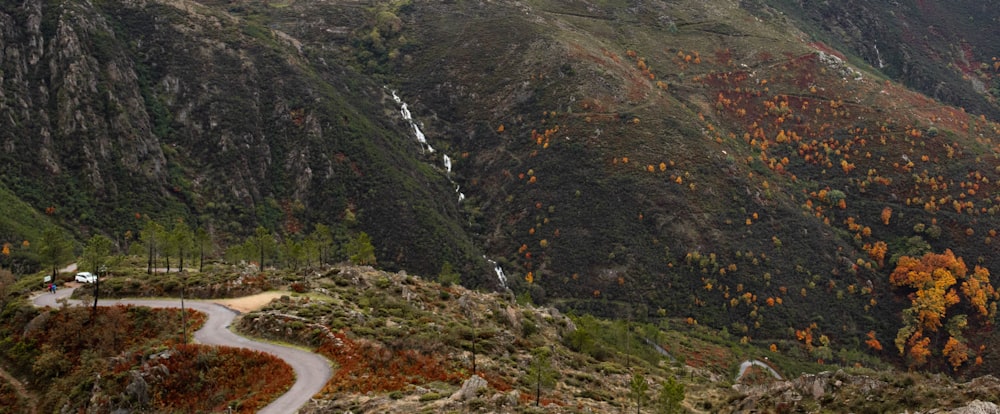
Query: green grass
{"points": [[18, 220]]}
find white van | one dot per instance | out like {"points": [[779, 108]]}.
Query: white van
{"points": [[86, 277]]}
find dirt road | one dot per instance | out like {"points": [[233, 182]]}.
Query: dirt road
{"points": [[311, 370]]}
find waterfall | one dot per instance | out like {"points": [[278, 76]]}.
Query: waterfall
{"points": [[408, 117], [404, 111], [501, 276], [878, 56]]}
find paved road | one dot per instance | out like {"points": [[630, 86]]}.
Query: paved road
{"points": [[747, 364], [311, 370]]}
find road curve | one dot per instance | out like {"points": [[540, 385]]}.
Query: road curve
{"points": [[745, 365], [311, 370]]}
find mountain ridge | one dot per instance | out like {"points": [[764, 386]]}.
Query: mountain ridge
{"points": [[618, 158]]}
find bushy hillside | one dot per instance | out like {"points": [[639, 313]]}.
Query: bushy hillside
{"points": [[117, 111], [945, 49], [694, 159], [128, 358], [709, 161]]}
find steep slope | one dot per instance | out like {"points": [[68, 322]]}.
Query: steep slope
{"points": [[701, 160], [945, 49], [692, 158], [114, 110]]}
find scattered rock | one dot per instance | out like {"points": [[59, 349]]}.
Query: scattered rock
{"points": [[469, 389], [978, 407], [137, 389], [807, 385]]}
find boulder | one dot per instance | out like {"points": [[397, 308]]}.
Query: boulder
{"points": [[978, 407], [470, 388]]}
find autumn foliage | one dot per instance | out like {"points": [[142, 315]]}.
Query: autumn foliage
{"points": [[364, 365], [210, 378], [942, 295], [63, 348]]}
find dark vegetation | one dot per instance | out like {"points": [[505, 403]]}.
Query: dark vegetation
{"points": [[946, 50], [314, 148], [10, 401], [669, 159]]}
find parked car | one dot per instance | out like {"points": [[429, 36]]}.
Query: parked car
{"points": [[86, 277]]}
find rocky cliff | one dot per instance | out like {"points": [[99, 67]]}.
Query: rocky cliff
{"points": [[113, 110]]}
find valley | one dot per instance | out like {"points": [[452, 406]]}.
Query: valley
{"points": [[811, 183]]}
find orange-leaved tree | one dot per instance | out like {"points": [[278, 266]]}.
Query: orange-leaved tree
{"points": [[942, 295]]}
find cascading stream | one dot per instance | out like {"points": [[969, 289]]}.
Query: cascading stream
{"points": [[426, 147], [404, 111]]}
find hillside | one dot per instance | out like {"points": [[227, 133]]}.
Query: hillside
{"points": [[694, 159], [946, 50], [402, 343], [116, 111], [724, 163]]}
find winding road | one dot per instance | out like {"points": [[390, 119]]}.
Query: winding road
{"points": [[311, 370], [745, 365]]}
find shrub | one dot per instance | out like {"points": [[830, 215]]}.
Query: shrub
{"points": [[298, 287], [431, 396]]}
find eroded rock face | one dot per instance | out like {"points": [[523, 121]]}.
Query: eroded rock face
{"points": [[147, 106], [64, 68]]}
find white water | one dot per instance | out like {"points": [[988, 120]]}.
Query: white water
{"points": [[499, 271], [878, 56], [408, 117], [404, 110]]}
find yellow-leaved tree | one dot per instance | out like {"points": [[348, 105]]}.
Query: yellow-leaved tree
{"points": [[942, 296]]}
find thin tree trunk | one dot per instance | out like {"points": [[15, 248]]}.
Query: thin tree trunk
{"points": [[538, 383], [97, 293], [183, 313]]}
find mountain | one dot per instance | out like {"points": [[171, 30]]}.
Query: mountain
{"points": [[749, 165], [116, 111], [945, 50]]}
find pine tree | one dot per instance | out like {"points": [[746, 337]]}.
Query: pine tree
{"points": [[360, 250], [182, 239], [540, 373], [54, 250], [639, 388], [263, 244], [203, 241], [670, 398], [448, 275], [97, 257]]}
